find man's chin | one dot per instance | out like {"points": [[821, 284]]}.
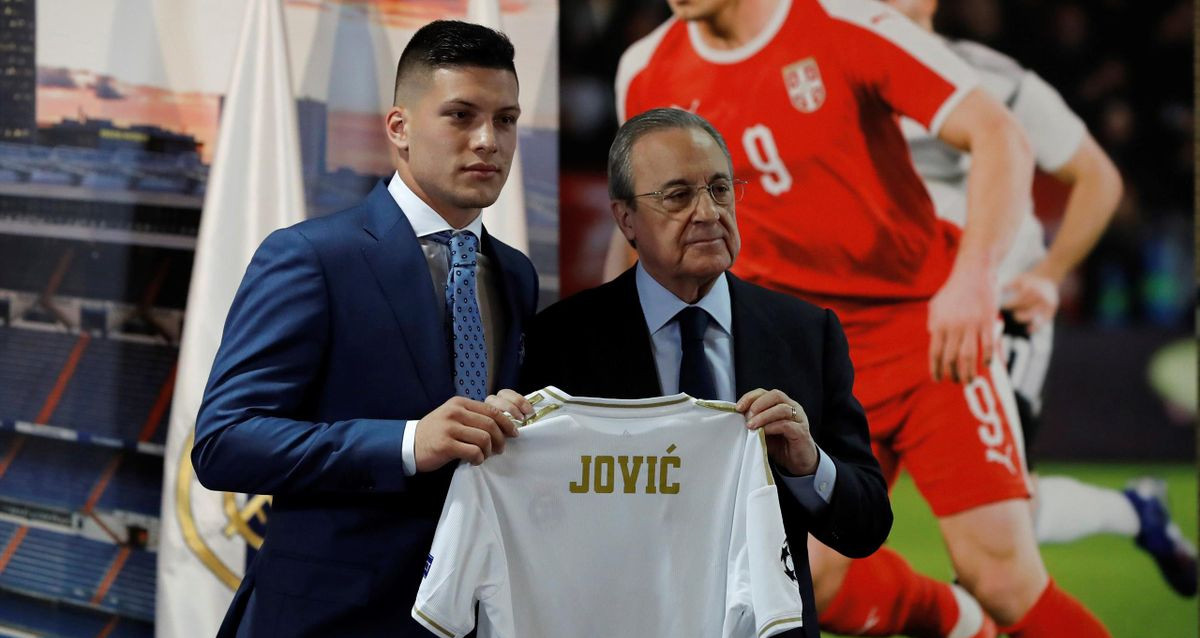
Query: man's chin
{"points": [[481, 200], [709, 267]]}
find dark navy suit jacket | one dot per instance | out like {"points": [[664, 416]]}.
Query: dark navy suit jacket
{"points": [[332, 343], [596, 343]]}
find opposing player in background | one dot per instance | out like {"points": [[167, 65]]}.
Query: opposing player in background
{"points": [[810, 91], [1065, 509]]}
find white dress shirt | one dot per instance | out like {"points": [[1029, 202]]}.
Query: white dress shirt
{"points": [[659, 306]]}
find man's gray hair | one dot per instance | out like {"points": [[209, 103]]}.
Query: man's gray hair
{"points": [[620, 160]]}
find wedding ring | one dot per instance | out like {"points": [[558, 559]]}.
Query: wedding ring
{"points": [[794, 413]]}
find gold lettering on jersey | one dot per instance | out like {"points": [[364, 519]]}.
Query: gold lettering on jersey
{"points": [[629, 474], [584, 484], [651, 471], [598, 474], [604, 474]]}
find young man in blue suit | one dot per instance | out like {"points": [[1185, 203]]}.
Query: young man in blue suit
{"points": [[359, 351]]}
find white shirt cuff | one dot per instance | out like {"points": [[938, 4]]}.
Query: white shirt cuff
{"points": [[408, 448], [815, 490]]}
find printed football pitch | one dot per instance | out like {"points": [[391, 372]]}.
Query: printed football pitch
{"points": [[1112, 577]]}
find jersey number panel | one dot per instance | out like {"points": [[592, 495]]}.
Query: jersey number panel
{"points": [[763, 153]]}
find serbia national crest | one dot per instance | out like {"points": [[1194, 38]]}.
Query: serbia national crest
{"points": [[804, 85]]}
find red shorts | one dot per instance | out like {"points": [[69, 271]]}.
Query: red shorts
{"points": [[962, 443]]}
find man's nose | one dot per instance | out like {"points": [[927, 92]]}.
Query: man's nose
{"points": [[484, 138], [706, 209]]}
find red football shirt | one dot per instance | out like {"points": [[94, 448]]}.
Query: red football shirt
{"points": [[834, 211]]}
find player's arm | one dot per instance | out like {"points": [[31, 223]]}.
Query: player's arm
{"points": [[1095, 193], [963, 312]]}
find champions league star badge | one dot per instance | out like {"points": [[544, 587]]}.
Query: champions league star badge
{"points": [[804, 85]]}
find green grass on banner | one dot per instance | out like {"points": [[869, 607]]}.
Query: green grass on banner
{"points": [[1109, 574]]}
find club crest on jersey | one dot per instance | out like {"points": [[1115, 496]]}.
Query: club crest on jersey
{"points": [[804, 85]]}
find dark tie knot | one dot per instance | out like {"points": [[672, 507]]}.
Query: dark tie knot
{"points": [[693, 321]]}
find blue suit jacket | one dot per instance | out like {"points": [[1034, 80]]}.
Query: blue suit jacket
{"points": [[332, 343]]}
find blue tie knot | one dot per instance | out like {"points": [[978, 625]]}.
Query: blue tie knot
{"points": [[464, 247]]}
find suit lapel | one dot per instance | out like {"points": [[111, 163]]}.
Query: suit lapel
{"points": [[758, 348], [399, 266], [638, 368], [509, 293]]}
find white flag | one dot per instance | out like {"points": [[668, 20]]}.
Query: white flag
{"points": [[254, 188], [505, 219]]}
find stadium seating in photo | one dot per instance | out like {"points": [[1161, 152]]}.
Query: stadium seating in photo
{"points": [[111, 391], [136, 486], [97, 271], [77, 570], [30, 363], [68, 475], [132, 593], [48, 618], [115, 388], [54, 473]]}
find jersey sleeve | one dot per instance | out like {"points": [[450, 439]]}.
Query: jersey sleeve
{"points": [[633, 61], [1054, 130], [908, 68], [465, 564], [764, 596]]}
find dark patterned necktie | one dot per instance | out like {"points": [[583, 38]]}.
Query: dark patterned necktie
{"points": [[695, 375]]}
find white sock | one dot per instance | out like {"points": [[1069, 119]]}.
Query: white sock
{"points": [[1068, 510]]}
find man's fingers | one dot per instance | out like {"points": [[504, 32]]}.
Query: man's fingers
{"points": [[764, 402], [937, 340], [948, 355], [749, 398], [508, 415], [467, 452], [1029, 314], [489, 425], [967, 357], [780, 412], [475, 437], [785, 428], [987, 339], [476, 412], [518, 400]]}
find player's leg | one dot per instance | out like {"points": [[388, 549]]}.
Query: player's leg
{"points": [[1066, 509], [964, 449], [882, 595]]}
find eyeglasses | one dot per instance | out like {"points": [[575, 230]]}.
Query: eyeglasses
{"points": [[678, 199]]}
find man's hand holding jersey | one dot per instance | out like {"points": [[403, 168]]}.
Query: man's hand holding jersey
{"points": [[789, 442], [466, 430]]}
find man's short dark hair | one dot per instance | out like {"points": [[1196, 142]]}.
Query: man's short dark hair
{"points": [[450, 44], [620, 154]]}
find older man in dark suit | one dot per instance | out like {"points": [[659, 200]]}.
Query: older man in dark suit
{"points": [[679, 321]]}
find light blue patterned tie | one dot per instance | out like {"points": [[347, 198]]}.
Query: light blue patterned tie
{"points": [[470, 347]]}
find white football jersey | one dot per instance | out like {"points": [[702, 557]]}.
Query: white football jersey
{"points": [[604, 517], [1054, 131]]}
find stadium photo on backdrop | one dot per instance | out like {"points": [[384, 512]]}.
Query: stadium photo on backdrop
{"points": [[532, 318]]}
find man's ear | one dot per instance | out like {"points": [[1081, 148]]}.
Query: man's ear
{"points": [[623, 215], [396, 124]]}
